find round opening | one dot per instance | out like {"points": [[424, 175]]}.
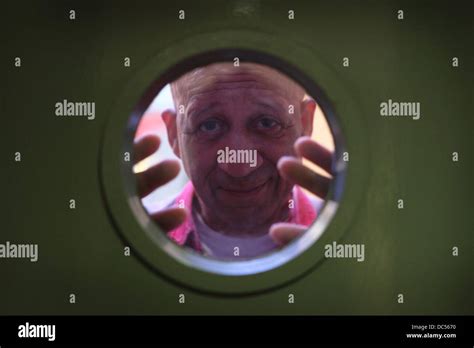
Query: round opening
{"points": [[237, 162]]}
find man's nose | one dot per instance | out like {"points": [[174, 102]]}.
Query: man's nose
{"points": [[239, 170]]}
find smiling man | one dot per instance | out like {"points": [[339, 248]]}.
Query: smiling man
{"points": [[232, 202]]}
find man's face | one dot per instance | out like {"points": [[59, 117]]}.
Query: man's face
{"points": [[241, 108]]}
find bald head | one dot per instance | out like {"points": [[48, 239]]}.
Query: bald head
{"points": [[225, 75]]}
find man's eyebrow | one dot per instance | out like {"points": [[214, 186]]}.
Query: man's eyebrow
{"points": [[195, 111], [277, 107]]}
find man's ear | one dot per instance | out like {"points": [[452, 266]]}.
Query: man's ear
{"points": [[308, 107], [169, 117]]}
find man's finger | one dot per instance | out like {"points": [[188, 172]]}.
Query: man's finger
{"points": [[145, 147], [170, 218], [283, 233], [293, 170], [156, 176], [316, 153]]}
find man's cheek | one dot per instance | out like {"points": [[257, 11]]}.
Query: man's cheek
{"points": [[276, 150], [200, 162]]}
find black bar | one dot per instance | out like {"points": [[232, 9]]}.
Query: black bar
{"points": [[240, 329]]}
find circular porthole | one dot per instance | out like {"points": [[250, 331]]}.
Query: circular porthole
{"points": [[249, 173]]}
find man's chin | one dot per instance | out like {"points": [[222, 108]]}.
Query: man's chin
{"points": [[243, 220]]}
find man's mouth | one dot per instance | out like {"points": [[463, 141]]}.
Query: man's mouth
{"points": [[244, 191]]}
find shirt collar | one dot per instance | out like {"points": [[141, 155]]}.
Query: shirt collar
{"points": [[302, 213]]}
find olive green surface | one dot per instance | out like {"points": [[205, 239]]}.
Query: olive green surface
{"points": [[407, 251]]}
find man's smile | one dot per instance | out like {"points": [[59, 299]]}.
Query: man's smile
{"points": [[247, 191]]}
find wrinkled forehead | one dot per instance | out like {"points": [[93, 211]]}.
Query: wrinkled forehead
{"points": [[217, 76]]}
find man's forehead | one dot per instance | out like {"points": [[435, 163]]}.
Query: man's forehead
{"points": [[227, 76]]}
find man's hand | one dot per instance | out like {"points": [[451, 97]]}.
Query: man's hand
{"points": [[157, 176], [293, 170]]}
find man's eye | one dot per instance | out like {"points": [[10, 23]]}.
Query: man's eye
{"points": [[211, 126], [268, 124]]}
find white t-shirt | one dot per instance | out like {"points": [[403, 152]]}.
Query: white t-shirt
{"points": [[222, 246]]}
